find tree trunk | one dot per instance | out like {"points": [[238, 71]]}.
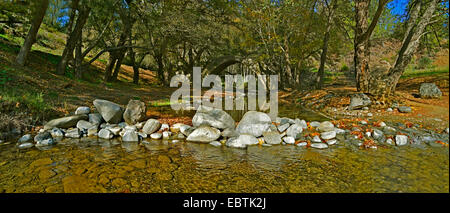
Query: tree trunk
{"points": [[385, 85], [119, 55], [38, 16], [109, 68], [323, 55], [117, 67], [362, 36], [361, 54], [136, 74], [79, 59], [73, 12], [74, 37]]}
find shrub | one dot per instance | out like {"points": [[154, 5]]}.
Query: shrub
{"points": [[345, 68], [4, 78], [424, 62]]}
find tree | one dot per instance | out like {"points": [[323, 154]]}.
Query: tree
{"points": [[420, 15], [40, 6], [363, 31], [57, 9], [74, 35], [116, 57], [330, 10]]}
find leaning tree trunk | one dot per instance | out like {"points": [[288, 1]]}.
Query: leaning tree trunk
{"points": [[38, 16], [109, 68], [73, 39], [385, 85], [117, 67]]}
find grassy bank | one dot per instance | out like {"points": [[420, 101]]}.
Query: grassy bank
{"points": [[412, 73]]}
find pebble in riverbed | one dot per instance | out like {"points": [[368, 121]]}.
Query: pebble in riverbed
{"points": [[404, 109], [25, 138], [25, 145], [328, 135], [332, 142], [325, 126], [319, 145], [105, 134], [156, 136], [289, 140], [401, 140], [216, 143]]}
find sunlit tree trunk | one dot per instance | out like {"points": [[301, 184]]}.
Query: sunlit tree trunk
{"points": [[363, 31], [385, 85]]}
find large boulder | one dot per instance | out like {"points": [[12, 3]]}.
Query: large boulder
{"points": [[429, 90], [254, 123], [214, 117], [151, 126], [65, 122], [358, 101], [135, 112], [204, 134], [111, 112]]}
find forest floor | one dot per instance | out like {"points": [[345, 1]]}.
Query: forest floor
{"points": [[430, 113]]}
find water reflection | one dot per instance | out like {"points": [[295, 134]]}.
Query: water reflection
{"points": [[274, 169]]}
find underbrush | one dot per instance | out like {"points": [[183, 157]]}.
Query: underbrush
{"points": [[425, 72]]}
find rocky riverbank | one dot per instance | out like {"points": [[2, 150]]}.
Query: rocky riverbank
{"points": [[216, 127]]}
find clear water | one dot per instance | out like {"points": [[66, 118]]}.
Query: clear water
{"points": [[93, 165]]}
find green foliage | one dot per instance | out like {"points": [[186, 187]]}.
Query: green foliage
{"points": [[411, 73], [70, 73], [34, 102], [159, 103], [424, 62], [345, 68], [4, 77]]}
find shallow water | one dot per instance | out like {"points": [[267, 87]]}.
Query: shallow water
{"points": [[91, 165], [95, 165]]}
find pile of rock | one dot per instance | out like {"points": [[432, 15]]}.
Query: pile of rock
{"points": [[106, 123], [216, 127]]}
